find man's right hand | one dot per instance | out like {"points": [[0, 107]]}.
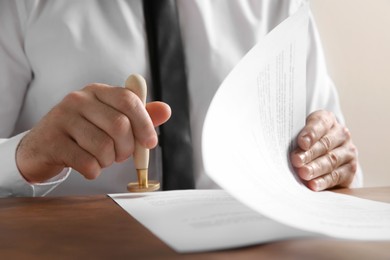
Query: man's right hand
{"points": [[89, 130]]}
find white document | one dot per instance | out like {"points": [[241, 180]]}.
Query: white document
{"points": [[203, 220], [254, 116]]}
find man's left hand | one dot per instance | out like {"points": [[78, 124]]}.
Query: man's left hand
{"points": [[325, 156]]}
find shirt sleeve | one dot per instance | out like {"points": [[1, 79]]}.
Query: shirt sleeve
{"points": [[15, 70], [321, 91], [15, 75], [12, 182]]}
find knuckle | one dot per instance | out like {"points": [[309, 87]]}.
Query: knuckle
{"points": [[147, 129], [347, 133], [317, 114], [128, 101], [120, 125], [105, 145], [351, 151], [56, 112], [310, 155], [91, 87], [353, 166], [326, 119], [333, 160], [354, 149], [334, 178], [315, 167], [311, 116], [74, 98], [326, 141], [324, 122]]}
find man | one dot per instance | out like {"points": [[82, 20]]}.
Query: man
{"points": [[51, 51]]}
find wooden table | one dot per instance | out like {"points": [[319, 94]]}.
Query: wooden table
{"points": [[95, 227]]}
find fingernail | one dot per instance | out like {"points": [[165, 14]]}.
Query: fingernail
{"points": [[319, 184], [302, 156], [306, 141]]}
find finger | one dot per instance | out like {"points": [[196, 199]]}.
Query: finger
{"points": [[129, 104], [66, 152], [39, 163], [91, 139], [73, 156], [317, 125], [159, 112], [334, 138], [326, 163], [341, 177], [115, 124]]}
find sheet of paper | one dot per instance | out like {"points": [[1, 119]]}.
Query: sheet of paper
{"points": [[203, 220], [252, 119]]}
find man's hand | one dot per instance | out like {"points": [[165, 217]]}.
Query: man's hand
{"points": [[325, 156], [89, 130]]}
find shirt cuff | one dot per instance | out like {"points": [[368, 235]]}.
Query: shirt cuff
{"points": [[12, 182]]}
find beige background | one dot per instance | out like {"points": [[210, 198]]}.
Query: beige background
{"points": [[356, 39]]}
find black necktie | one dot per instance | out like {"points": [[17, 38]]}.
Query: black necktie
{"points": [[170, 85]]}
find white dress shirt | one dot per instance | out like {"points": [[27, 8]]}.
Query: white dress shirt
{"points": [[50, 48]]}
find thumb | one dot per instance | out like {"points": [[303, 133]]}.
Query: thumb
{"points": [[159, 112]]}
